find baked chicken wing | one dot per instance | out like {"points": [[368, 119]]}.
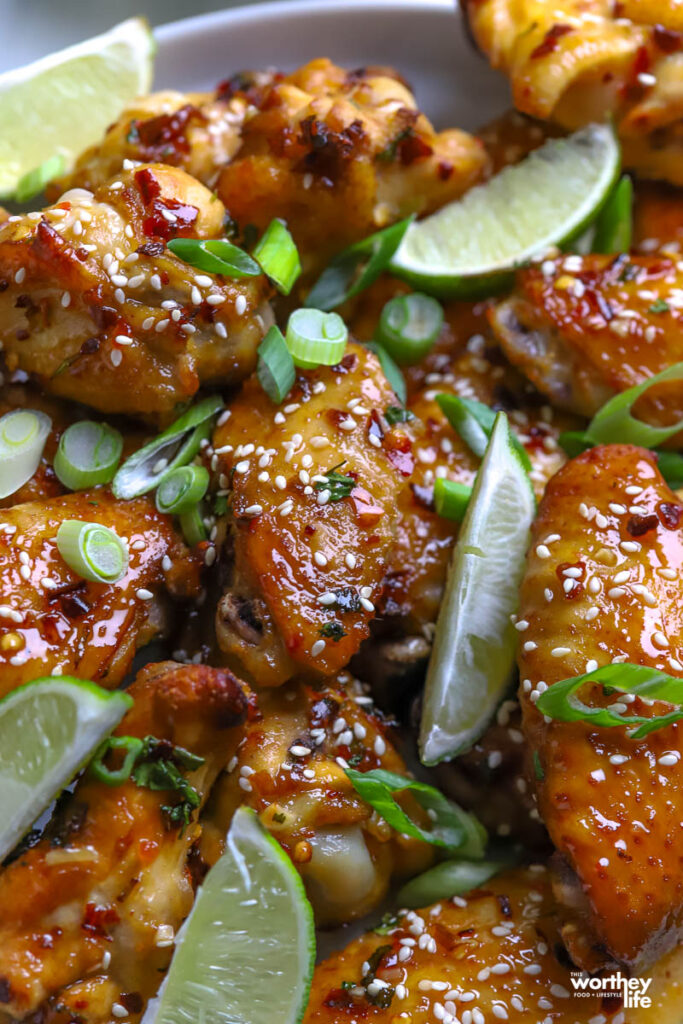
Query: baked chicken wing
{"points": [[88, 915], [602, 585], [98, 310]]}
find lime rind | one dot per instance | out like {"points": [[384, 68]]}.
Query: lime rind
{"points": [[246, 953], [470, 247], [49, 729], [474, 647]]}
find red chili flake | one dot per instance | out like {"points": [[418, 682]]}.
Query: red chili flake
{"points": [[164, 139], [132, 1001], [549, 44], [156, 224], [669, 514], [398, 448], [639, 525], [444, 170], [412, 148], [96, 918], [368, 512], [329, 151], [666, 39]]}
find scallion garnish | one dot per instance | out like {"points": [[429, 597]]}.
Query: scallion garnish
{"points": [[278, 256], [176, 446], [132, 747], [613, 228], [357, 267], [336, 484], [192, 525], [33, 183], [451, 499], [670, 464], [88, 454], [181, 489], [560, 702], [452, 828], [215, 256], [450, 878], [275, 369], [394, 414], [23, 433], [614, 424], [474, 422], [390, 370], [315, 338], [409, 325], [93, 551]]}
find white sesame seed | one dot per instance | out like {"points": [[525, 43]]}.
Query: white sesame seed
{"points": [[240, 304], [118, 1010], [317, 648], [166, 563], [367, 605], [143, 594], [542, 551], [299, 751], [116, 357], [379, 746]]}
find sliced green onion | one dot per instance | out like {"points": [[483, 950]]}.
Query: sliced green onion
{"points": [[275, 369], [315, 338], [93, 551], [23, 433], [451, 499], [390, 370], [176, 446], [116, 777], [613, 229], [192, 525], [573, 442], [450, 878], [357, 267], [670, 465], [560, 702], [409, 325], [614, 424], [452, 828], [181, 489], [474, 422], [278, 256], [215, 256], [88, 455], [34, 182]]}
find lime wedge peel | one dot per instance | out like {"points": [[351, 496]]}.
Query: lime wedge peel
{"points": [[469, 247], [474, 647], [246, 953], [61, 104], [49, 729]]}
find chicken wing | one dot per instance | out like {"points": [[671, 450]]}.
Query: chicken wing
{"points": [[584, 327], [602, 585], [583, 60], [87, 916], [339, 154], [52, 620], [312, 518], [97, 309], [492, 955]]}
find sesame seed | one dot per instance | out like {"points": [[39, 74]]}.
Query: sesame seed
{"points": [[210, 556], [619, 510], [66, 300], [20, 275], [166, 563], [379, 746], [367, 605], [317, 648], [240, 304], [542, 551], [143, 594], [254, 510], [242, 467], [119, 1010], [299, 751]]}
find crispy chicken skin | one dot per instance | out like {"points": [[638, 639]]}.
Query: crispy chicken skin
{"points": [[286, 768], [53, 620], [584, 327], [492, 955], [85, 914], [345, 151], [95, 307], [603, 585], [299, 561], [583, 60]]}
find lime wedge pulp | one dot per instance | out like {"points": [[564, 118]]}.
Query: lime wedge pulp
{"points": [[468, 248], [49, 728], [246, 953], [60, 105], [474, 646]]}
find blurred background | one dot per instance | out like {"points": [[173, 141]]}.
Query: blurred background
{"points": [[34, 28]]}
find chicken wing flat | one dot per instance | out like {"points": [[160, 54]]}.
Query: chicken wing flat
{"points": [[312, 519], [98, 310], [492, 955], [584, 327], [602, 585], [88, 915], [582, 60], [340, 154], [289, 768], [52, 620]]}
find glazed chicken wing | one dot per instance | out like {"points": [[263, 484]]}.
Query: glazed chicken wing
{"points": [[602, 585], [583, 60], [584, 327], [313, 486], [339, 154], [492, 955], [52, 620], [88, 915], [95, 307]]}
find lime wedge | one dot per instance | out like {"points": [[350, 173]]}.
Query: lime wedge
{"points": [[474, 646], [59, 105], [246, 953], [467, 248], [48, 730]]}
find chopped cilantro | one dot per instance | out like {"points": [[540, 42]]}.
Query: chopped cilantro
{"points": [[397, 414], [332, 631], [659, 306], [337, 484]]}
